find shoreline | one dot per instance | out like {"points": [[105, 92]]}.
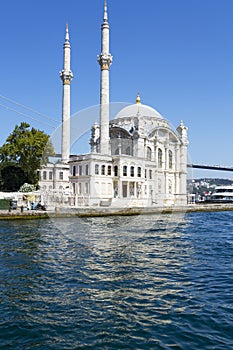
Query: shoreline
{"points": [[100, 212]]}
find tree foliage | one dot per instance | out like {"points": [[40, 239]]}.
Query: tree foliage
{"points": [[26, 149]]}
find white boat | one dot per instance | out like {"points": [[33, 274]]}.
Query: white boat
{"points": [[222, 194]]}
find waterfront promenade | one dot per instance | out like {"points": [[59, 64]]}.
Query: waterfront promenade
{"points": [[92, 212]]}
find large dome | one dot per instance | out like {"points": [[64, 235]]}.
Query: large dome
{"points": [[138, 109]]}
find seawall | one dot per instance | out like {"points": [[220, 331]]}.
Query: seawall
{"points": [[97, 212]]}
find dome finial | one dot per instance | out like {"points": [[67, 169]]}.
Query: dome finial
{"points": [[138, 99]]}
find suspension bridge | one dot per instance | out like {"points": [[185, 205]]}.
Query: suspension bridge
{"points": [[210, 167]]}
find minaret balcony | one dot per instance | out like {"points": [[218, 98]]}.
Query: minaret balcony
{"points": [[105, 61]]}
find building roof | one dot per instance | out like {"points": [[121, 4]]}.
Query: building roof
{"points": [[136, 110]]}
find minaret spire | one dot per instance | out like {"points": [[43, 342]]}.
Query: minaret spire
{"points": [[105, 11], [66, 77], [67, 39], [105, 61]]}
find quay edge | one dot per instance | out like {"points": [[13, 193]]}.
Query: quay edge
{"points": [[100, 212]]}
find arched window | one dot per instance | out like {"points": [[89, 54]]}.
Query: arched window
{"points": [[170, 160], [125, 170], [102, 169], [160, 158], [139, 171], [96, 169], [115, 170], [148, 153]]}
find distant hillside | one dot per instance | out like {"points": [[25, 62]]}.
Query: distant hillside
{"points": [[206, 185], [216, 181]]}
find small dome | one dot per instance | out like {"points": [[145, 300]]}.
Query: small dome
{"points": [[138, 109]]}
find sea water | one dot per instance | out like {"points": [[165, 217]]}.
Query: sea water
{"points": [[143, 282]]}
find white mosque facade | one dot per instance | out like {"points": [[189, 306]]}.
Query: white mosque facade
{"points": [[136, 159]]}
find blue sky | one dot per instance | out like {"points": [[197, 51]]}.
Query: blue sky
{"points": [[177, 53]]}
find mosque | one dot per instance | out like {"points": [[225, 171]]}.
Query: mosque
{"points": [[135, 160]]}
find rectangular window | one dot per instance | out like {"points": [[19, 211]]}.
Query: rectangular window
{"points": [[109, 170], [139, 171], [124, 189], [80, 170], [131, 188], [86, 169], [150, 174], [145, 173], [61, 175], [50, 175], [124, 170], [97, 169], [86, 188], [115, 189], [44, 175], [74, 170]]}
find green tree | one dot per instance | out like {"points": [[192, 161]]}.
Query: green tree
{"points": [[27, 149]]}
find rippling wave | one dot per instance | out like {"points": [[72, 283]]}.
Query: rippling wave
{"points": [[108, 283]]}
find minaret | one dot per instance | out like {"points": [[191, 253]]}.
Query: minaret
{"points": [[105, 61], [182, 131], [66, 77]]}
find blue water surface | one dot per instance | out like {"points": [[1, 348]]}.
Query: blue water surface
{"points": [[117, 283]]}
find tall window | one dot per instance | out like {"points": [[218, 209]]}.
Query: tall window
{"points": [[132, 171], [50, 175], [115, 189], [80, 170], [139, 171], [160, 158], [169, 186], [170, 159], [74, 170], [44, 175], [97, 169], [125, 170], [109, 170], [86, 169], [148, 153], [115, 170], [61, 175], [150, 174], [103, 170], [131, 188], [159, 186]]}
